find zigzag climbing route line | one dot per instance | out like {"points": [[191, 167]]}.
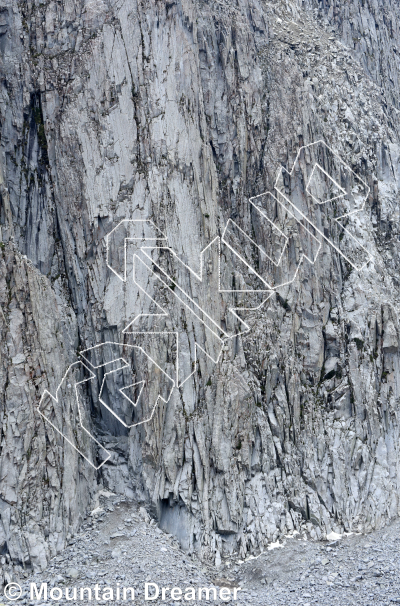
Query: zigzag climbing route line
{"points": [[353, 193], [170, 289]]}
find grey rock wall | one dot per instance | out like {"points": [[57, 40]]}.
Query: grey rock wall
{"points": [[180, 112]]}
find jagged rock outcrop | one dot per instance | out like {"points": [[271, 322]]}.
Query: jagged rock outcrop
{"points": [[45, 486], [180, 112]]}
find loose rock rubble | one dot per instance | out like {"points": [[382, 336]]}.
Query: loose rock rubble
{"points": [[357, 569], [120, 544]]}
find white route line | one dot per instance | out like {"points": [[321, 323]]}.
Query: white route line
{"points": [[336, 219], [200, 279], [55, 399], [126, 365], [200, 309], [303, 255], [126, 240], [195, 309], [317, 165], [93, 376], [166, 314]]}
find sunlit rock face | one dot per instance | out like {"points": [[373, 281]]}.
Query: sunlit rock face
{"points": [[183, 114]]}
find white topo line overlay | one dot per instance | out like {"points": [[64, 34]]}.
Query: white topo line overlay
{"points": [[340, 195], [146, 236]]}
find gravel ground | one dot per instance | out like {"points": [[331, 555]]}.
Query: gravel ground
{"points": [[121, 545]]}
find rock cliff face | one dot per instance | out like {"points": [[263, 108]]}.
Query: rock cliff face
{"points": [[179, 113]]}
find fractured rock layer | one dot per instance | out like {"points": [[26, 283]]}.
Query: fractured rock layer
{"points": [[179, 113]]}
